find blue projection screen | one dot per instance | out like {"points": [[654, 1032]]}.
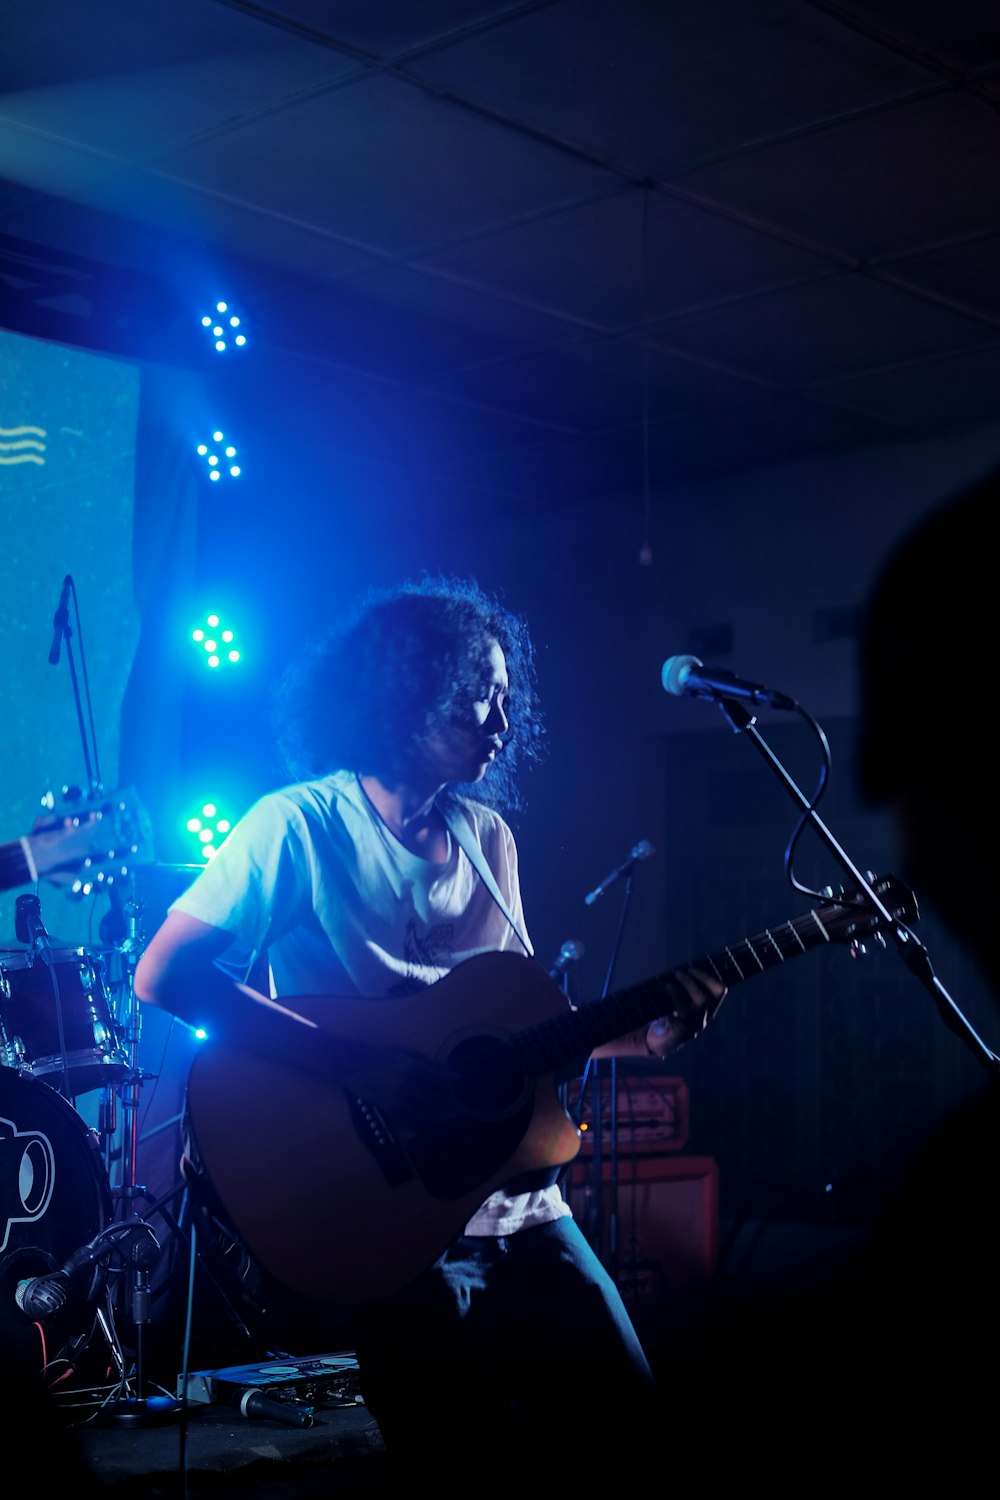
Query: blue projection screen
{"points": [[68, 423]]}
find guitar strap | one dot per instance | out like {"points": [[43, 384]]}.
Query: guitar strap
{"points": [[462, 833]]}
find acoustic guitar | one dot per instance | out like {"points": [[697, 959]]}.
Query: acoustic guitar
{"points": [[337, 1205]]}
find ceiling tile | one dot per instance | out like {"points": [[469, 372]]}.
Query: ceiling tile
{"points": [[967, 274], [653, 87], [961, 390], [115, 79], [904, 180], [384, 165], [965, 34], [588, 262], [776, 430], [828, 327], [592, 384], [183, 237], [408, 325], [391, 26]]}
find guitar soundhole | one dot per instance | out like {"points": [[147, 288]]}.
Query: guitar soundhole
{"points": [[493, 1108], [490, 1080]]}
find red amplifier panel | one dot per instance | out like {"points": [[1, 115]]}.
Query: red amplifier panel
{"points": [[652, 1113]]}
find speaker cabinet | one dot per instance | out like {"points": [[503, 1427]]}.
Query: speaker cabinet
{"points": [[656, 1228]]}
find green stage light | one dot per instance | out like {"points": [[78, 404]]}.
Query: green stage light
{"points": [[216, 643], [206, 830]]}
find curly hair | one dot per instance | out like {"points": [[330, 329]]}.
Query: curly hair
{"points": [[403, 663]]}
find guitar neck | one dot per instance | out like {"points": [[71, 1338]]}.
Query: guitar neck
{"points": [[14, 869], [550, 1044]]}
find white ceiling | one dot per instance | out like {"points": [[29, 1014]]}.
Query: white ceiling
{"points": [[562, 247]]}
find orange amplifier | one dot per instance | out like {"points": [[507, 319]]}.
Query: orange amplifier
{"points": [[652, 1112], [667, 1232]]}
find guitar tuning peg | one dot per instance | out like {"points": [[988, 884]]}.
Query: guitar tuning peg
{"points": [[72, 793], [858, 947]]}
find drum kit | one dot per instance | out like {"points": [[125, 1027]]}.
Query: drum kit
{"points": [[76, 1253]]}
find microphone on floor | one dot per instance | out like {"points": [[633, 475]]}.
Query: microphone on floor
{"points": [[254, 1403]]}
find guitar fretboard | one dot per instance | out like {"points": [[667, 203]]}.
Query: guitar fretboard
{"points": [[557, 1040]]}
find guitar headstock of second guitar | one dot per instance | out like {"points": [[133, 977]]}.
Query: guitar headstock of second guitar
{"points": [[84, 844]]}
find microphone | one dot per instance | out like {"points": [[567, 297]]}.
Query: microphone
{"points": [[60, 620], [687, 677], [254, 1403], [570, 951], [642, 850], [41, 1296], [28, 926]]}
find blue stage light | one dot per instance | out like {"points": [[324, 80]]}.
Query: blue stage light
{"points": [[225, 328], [220, 457]]}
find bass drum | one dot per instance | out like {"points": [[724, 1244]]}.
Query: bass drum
{"points": [[55, 1198]]}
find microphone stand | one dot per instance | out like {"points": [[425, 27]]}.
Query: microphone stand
{"points": [[912, 951], [142, 1409], [64, 632], [607, 1246]]}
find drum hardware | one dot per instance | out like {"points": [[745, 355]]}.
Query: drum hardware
{"points": [[28, 929], [130, 1021], [61, 1037], [70, 1023], [56, 1021], [54, 1197]]}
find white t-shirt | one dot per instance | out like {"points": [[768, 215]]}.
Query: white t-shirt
{"points": [[312, 875]]}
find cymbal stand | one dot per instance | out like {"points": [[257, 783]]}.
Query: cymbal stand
{"points": [[130, 1022], [140, 1408]]}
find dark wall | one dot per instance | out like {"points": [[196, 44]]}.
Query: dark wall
{"points": [[821, 1076]]}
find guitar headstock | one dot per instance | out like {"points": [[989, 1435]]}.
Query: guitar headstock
{"points": [[85, 846], [852, 918]]}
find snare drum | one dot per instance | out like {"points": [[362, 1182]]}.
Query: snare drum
{"points": [[55, 1198], [40, 990]]}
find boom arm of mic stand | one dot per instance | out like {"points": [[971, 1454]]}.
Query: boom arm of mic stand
{"points": [[912, 951]]}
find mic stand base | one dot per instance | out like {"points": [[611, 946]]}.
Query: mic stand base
{"points": [[145, 1411]]}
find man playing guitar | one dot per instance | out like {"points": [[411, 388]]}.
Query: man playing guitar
{"points": [[376, 885]]}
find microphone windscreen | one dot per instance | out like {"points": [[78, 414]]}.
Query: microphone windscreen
{"points": [[675, 673], [41, 1296]]}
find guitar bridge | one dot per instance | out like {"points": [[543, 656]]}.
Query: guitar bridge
{"points": [[374, 1133]]}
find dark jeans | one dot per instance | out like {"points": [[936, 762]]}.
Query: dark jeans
{"points": [[505, 1351]]}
